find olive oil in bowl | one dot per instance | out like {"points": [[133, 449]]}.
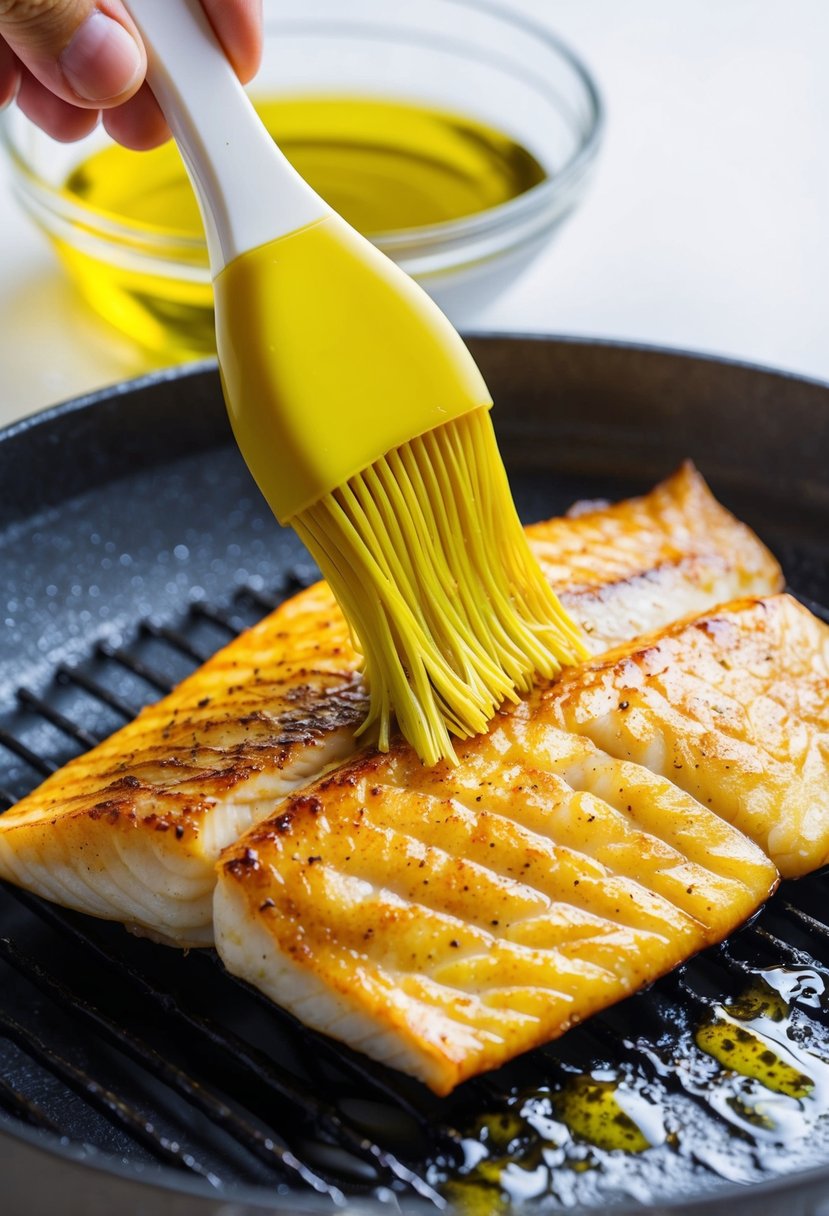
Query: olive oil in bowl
{"points": [[385, 166]]}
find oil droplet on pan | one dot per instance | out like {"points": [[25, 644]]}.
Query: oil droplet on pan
{"points": [[753, 1055], [609, 1115]]}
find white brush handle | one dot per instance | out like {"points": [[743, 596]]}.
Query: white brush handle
{"points": [[248, 192]]}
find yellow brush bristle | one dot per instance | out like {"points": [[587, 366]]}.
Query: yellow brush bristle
{"points": [[449, 608]]}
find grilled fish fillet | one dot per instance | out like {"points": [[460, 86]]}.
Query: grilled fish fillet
{"points": [[445, 920], [633, 567], [734, 708], [131, 830]]}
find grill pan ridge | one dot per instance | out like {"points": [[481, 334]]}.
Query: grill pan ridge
{"points": [[133, 1079]]}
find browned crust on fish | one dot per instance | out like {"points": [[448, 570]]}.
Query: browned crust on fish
{"points": [[283, 700], [444, 920]]}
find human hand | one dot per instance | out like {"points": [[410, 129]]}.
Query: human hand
{"points": [[68, 61]]}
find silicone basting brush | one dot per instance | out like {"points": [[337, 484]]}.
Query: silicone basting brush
{"points": [[361, 415]]}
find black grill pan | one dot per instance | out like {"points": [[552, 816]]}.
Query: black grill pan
{"points": [[137, 1080]]}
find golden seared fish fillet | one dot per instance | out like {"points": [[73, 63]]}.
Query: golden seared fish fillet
{"points": [[445, 920], [627, 569], [131, 831], [732, 706]]}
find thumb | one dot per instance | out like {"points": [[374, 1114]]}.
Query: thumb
{"points": [[87, 52]]}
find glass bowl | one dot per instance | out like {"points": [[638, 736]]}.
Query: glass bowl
{"points": [[467, 57]]}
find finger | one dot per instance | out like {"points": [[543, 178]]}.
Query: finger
{"points": [[9, 75], [138, 123], [88, 52], [238, 26], [55, 116]]}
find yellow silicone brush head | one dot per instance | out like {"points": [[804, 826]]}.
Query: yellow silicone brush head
{"points": [[427, 557], [366, 424], [361, 415]]}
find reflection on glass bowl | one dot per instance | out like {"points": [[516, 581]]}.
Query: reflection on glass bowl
{"points": [[456, 136]]}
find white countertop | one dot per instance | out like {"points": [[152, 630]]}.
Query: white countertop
{"points": [[705, 227]]}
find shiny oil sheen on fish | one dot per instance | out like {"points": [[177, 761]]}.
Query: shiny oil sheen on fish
{"points": [[733, 707], [131, 830], [445, 920]]}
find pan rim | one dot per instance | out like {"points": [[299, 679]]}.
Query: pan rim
{"points": [[199, 367]]}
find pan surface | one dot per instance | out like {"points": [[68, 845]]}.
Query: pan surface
{"points": [[131, 510]]}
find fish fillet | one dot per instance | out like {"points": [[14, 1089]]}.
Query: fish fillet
{"points": [[445, 920], [633, 567], [131, 830], [734, 708]]}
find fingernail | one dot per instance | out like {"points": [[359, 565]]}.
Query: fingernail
{"points": [[102, 60]]}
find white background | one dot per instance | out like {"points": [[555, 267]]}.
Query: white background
{"points": [[705, 227]]}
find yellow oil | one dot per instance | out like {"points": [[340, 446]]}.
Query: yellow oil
{"points": [[591, 1119], [749, 1037], [592, 1110], [752, 1055], [602, 1133], [384, 165]]}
